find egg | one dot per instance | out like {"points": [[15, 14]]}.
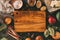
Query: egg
{"points": [[43, 8]]}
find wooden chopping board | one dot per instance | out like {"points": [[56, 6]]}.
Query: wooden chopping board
{"points": [[29, 21]]}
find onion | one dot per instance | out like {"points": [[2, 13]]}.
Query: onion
{"points": [[28, 39], [39, 38]]}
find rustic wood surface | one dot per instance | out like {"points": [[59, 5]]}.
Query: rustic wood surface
{"points": [[29, 21]]}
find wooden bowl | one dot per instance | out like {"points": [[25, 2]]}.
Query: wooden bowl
{"points": [[31, 2], [8, 20]]}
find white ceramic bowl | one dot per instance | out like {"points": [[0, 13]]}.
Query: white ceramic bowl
{"points": [[17, 4]]}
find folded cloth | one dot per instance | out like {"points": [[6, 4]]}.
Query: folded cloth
{"points": [[49, 7]]}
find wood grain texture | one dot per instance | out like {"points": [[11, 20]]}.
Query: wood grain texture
{"points": [[29, 21]]}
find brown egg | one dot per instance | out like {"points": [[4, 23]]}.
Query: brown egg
{"points": [[43, 8], [39, 38], [28, 39], [8, 20]]}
